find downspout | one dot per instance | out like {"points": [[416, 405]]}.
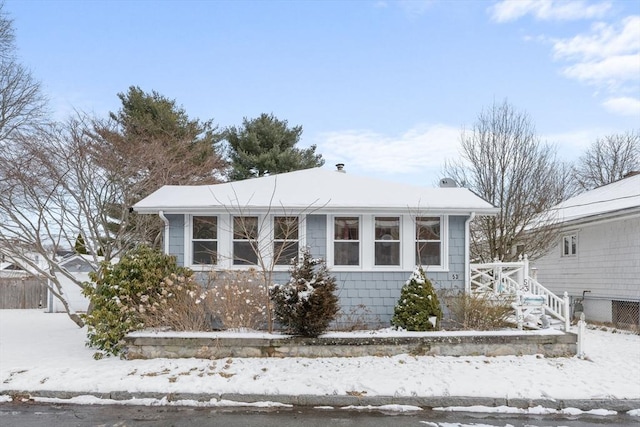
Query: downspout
{"points": [[166, 231], [467, 254]]}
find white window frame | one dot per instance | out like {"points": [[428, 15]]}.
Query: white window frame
{"points": [[331, 242], [444, 242], [253, 243], [572, 240], [192, 240], [225, 240], [397, 241], [273, 239], [407, 243]]}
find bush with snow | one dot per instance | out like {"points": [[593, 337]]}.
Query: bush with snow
{"points": [[307, 304], [418, 308], [124, 295]]}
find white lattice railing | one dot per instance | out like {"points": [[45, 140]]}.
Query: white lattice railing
{"points": [[513, 278]]}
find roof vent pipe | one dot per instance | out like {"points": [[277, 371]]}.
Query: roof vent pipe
{"points": [[340, 168]]}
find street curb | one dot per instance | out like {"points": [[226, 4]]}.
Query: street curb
{"points": [[425, 402]]}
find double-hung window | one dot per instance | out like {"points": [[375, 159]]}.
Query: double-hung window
{"points": [[387, 241], [245, 240], [428, 241], [285, 238], [570, 245], [204, 240], [346, 240]]}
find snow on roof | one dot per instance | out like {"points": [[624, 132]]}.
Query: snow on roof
{"points": [[313, 190], [617, 197]]}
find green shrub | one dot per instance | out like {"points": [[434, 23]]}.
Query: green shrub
{"points": [[417, 304], [121, 294], [307, 304]]}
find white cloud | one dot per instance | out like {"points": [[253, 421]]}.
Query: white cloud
{"points": [[609, 55], [603, 41], [625, 106], [613, 71], [572, 144], [547, 10], [415, 7], [411, 153]]}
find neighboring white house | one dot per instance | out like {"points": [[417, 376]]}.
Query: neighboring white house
{"points": [[372, 233], [79, 266], [17, 268], [597, 252]]}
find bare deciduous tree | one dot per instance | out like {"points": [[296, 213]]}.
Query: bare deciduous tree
{"points": [[265, 239], [52, 190], [22, 104], [503, 161], [608, 159]]}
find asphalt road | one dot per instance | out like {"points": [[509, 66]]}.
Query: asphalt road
{"points": [[56, 415]]}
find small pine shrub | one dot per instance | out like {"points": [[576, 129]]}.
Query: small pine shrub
{"points": [[121, 294], [417, 304], [307, 304]]}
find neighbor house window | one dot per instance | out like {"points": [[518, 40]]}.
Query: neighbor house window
{"points": [[570, 245], [428, 241], [205, 240], [346, 240], [245, 240], [285, 238], [387, 241]]}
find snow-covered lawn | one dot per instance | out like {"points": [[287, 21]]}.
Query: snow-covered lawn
{"points": [[42, 351]]}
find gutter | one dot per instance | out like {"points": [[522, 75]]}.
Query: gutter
{"points": [[166, 231], [467, 254]]}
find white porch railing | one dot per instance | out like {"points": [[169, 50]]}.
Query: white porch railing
{"points": [[513, 278]]}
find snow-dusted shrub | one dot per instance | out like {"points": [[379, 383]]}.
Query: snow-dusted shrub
{"points": [[122, 293], [307, 304], [237, 299], [418, 308]]}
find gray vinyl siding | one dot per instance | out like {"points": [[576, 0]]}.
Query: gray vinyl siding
{"points": [[607, 263], [370, 295], [176, 237], [317, 235]]}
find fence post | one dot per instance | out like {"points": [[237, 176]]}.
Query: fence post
{"points": [[567, 314], [581, 330], [523, 277], [497, 276]]}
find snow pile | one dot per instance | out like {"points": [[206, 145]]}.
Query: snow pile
{"points": [[42, 351]]}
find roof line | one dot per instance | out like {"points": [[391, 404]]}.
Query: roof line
{"points": [[593, 203]]}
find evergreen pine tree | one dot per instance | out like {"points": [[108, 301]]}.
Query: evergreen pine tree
{"points": [[80, 247], [417, 304], [307, 304]]}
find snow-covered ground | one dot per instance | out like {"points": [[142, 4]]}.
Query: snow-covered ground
{"points": [[44, 351]]}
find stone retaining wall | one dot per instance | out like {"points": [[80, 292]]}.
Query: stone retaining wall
{"points": [[141, 345]]}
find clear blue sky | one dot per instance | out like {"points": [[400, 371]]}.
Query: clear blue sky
{"points": [[383, 86]]}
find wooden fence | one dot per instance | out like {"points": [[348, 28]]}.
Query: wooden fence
{"points": [[23, 293]]}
